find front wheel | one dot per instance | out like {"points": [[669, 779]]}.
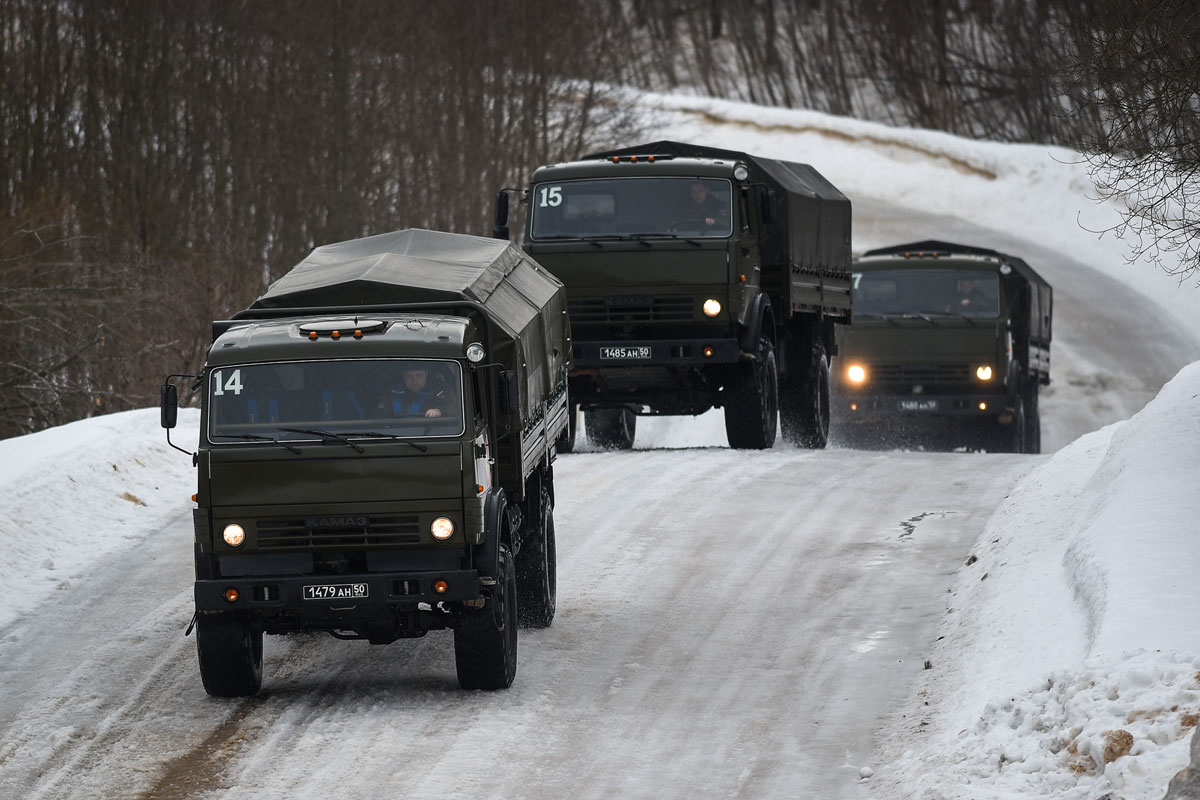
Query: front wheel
{"points": [[230, 648], [752, 401], [485, 639]]}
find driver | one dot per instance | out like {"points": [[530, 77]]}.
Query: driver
{"points": [[700, 209], [418, 396]]}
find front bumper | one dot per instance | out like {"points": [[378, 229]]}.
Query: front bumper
{"points": [[617, 354], [874, 407], [383, 591]]}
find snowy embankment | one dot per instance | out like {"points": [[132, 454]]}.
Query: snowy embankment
{"points": [[76, 493], [1069, 661], [1040, 193]]}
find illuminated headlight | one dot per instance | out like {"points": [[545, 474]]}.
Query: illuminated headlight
{"points": [[234, 534], [475, 352], [712, 307], [442, 528], [856, 373], [984, 373]]}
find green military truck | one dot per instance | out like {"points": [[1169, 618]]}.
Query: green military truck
{"points": [[949, 343], [696, 278], [376, 455]]}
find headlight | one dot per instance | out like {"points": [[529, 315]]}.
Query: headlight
{"points": [[740, 172], [475, 352], [712, 307], [442, 528], [234, 534], [856, 373], [984, 373]]}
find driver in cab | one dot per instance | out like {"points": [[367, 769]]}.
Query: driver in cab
{"points": [[418, 396], [700, 210]]}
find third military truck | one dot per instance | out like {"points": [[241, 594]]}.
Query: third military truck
{"points": [[696, 278], [950, 345]]}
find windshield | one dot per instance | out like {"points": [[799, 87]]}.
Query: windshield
{"points": [[896, 292], [633, 207], [396, 397]]}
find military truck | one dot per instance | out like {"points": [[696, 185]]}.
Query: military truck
{"points": [[376, 455], [696, 278], [950, 343]]}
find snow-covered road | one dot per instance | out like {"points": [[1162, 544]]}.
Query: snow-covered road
{"points": [[731, 623]]}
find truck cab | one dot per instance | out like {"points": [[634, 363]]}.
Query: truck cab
{"points": [[950, 342]]}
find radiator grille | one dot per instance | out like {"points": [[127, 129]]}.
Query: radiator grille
{"points": [[302, 533], [624, 310], [921, 373]]}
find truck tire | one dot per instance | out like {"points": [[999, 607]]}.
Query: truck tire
{"points": [[804, 405], [566, 442], [752, 401], [537, 570], [1011, 437], [230, 648], [611, 428], [485, 639], [1033, 421]]}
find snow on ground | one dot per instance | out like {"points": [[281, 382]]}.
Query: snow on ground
{"points": [[1069, 663], [1070, 660]]}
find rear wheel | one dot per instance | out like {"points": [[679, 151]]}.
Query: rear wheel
{"points": [[566, 442], [611, 428], [804, 405], [752, 401], [485, 639], [230, 648], [537, 569]]}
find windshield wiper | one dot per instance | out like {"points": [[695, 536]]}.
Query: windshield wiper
{"points": [[326, 436], [596, 238], [402, 440], [677, 236], [251, 436]]}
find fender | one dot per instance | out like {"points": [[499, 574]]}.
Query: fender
{"points": [[487, 555], [759, 309]]}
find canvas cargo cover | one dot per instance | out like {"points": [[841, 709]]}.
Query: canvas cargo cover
{"points": [[801, 195], [524, 304], [1041, 295]]}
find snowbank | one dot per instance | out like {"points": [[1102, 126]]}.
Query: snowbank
{"points": [[1069, 661], [79, 492]]}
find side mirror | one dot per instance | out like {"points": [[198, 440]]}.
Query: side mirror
{"points": [[510, 393], [169, 403], [500, 225]]}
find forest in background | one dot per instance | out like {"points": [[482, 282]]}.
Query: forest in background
{"points": [[162, 162]]}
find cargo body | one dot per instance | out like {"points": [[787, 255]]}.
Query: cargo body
{"points": [[696, 278], [950, 344], [376, 451]]}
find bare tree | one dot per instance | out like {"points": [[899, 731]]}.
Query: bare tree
{"points": [[1137, 72]]}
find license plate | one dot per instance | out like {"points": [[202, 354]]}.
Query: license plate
{"points": [[335, 591], [918, 405], [624, 352]]}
